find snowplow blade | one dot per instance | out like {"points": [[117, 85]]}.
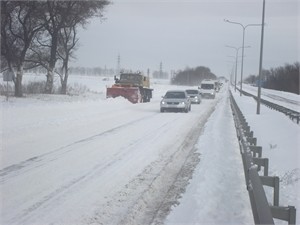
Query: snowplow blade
{"points": [[130, 93]]}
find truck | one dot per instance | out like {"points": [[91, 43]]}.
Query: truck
{"points": [[135, 87], [208, 88]]}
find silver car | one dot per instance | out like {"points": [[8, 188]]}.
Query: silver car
{"points": [[175, 100], [194, 95]]}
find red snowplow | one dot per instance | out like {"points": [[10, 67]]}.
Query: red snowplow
{"points": [[133, 86]]}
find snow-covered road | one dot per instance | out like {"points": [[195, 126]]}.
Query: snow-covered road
{"points": [[91, 160], [95, 161]]}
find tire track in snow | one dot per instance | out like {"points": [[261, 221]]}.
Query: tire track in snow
{"points": [[174, 176], [37, 161], [151, 177], [151, 194], [96, 171]]}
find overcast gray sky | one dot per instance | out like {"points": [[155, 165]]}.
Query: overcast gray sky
{"points": [[190, 33]]}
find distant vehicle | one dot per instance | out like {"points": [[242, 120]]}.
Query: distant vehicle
{"points": [[175, 100], [208, 89], [217, 86], [133, 86], [194, 95]]}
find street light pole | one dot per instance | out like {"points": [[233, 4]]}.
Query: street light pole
{"points": [[260, 60], [236, 60], [243, 44], [242, 66]]}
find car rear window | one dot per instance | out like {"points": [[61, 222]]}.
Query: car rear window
{"points": [[175, 95], [207, 86], [192, 92]]}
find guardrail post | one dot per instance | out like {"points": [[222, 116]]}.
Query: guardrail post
{"points": [[272, 182], [284, 213], [262, 162], [260, 207], [252, 141], [246, 128], [249, 134], [256, 150]]}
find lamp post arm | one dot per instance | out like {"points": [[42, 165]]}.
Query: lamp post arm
{"points": [[248, 25], [228, 21]]}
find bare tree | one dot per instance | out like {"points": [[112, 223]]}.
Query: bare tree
{"points": [[39, 33], [67, 43], [66, 15], [191, 76], [19, 24], [282, 78]]}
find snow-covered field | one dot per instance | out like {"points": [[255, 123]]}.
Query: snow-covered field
{"points": [[91, 160], [286, 99]]}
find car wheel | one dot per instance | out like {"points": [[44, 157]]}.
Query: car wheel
{"points": [[162, 110]]}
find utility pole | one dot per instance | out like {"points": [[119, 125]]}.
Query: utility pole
{"points": [[260, 60], [160, 71], [119, 65]]}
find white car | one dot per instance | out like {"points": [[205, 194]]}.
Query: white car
{"points": [[175, 100], [194, 95]]}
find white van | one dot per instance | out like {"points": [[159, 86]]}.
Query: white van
{"points": [[208, 89]]}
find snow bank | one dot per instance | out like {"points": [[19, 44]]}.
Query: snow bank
{"points": [[280, 140], [217, 193]]}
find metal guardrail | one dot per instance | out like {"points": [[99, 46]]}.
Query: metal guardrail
{"points": [[292, 114], [263, 212]]}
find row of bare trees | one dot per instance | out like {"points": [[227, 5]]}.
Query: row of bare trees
{"points": [[43, 34], [282, 78], [193, 76]]}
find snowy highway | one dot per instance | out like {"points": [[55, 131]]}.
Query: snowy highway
{"points": [[90, 160], [96, 161]]}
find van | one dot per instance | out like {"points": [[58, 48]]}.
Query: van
{"points": [[208, 89]]}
